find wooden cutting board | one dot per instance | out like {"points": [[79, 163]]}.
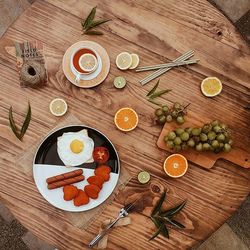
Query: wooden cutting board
{"points": [[237, 155]]}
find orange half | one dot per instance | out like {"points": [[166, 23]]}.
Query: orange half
{"points": [[175, 165], [126, 119]]}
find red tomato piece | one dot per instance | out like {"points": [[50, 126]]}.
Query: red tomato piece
{"points": [[101, 154]]}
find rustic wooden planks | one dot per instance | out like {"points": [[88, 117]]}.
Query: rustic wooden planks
{"points": [[157, 31]]}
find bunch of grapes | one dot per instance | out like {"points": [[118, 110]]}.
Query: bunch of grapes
{"points": [[166, 114], [212, 136]]}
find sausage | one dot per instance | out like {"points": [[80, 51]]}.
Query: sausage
{"points": [[64, 176], [65, 182]]}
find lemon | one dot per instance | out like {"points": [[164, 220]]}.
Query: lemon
{"points": [[123, 61], [135, 61], [58, 107], [211, 86], [120, 82], [143, 177]]}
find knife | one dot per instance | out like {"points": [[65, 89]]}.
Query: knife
{"points": [[122, 213]]}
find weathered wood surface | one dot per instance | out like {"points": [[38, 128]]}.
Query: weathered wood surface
{"points": [[157, 31]]}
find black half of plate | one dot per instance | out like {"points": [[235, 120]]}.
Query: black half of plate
{"points": [[47, 152]]}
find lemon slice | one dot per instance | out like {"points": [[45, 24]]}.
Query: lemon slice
{"points": [[135, 61], [211, 86], [120, 82], [88, 62], [123, 61], [58, 107], [143, 177]]}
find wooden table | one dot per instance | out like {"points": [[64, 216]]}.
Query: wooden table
{"points": [[157, 31]]}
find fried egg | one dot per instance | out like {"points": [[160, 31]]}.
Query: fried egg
{"points": [[75, 148]]}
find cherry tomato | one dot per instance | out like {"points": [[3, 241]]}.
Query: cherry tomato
{"points": [[101, 154]]}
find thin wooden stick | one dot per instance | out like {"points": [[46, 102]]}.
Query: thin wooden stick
{"points": [[159, 72]]}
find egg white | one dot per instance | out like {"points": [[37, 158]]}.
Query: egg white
{"points": [[67, 156]]}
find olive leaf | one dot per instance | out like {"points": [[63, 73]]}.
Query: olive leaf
{"points": [[173, 211], [12, 124], [93, 32], [97, 23], [89, 19], [159, 93], [154, 102], [26, 122], [171, 221], [25, 125], [157, 207], [153, 89], [157, 232]]}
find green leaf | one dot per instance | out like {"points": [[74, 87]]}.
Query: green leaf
{"points": [[13, 125], [177, 224], [157, 232], [154, 102], [160, 93], [170, 221], [26, 122], [89, 18], [156, 222], [153, 89], [97, 23], [173, 211], [158, 205], [164, 231], [93, 32]]}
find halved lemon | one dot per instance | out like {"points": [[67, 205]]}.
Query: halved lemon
{"points": [[175, 165], [123, 61], [211, 86], [126, 119], [58, 107], [135, 61]]}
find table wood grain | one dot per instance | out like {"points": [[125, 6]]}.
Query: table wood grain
{"points": [[158, 31]]}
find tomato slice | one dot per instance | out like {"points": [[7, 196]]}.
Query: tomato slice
{"points": [[101, 154]]}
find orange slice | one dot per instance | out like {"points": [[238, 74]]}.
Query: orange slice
{"points": [[175, 165], [126, 119]]}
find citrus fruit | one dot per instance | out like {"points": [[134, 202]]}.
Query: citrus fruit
{"points": [[211, 86], [135, 61], [119, 82], [126, 119], [88, 62], [143, 177], [175, 165], [58, 107], [123, 61]]}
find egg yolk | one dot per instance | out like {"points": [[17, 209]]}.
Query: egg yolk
{"points": [[76, 146]]}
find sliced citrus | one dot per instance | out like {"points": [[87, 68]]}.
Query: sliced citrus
{"points": [[126, 119], [123, 61], [175, 165], [135, 61], [211, 86], [58, 107], [88, 62], [119, 82], [143, 177]]}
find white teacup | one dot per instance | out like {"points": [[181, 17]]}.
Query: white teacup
{"points": [[79, 64]]}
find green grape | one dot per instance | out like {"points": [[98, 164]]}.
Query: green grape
{"points": [[161, 119], [191, 143], [206, 128], [214, 123], [174, 113], [180, 119], [223, 126], [227, 147], [188, 130], [179, 131], [215, 144], [171, 135], [165, 109], [199, 147], [217, 129], [177, 106], [220, 137], [177, 141], [184, 136], [211, 135], [170, 144], [158, 112], [206, 146], [169, 118], [203, 137], [196, 131]]}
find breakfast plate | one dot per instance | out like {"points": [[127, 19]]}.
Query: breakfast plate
{"points": [[93, 79], [54, 156]]}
